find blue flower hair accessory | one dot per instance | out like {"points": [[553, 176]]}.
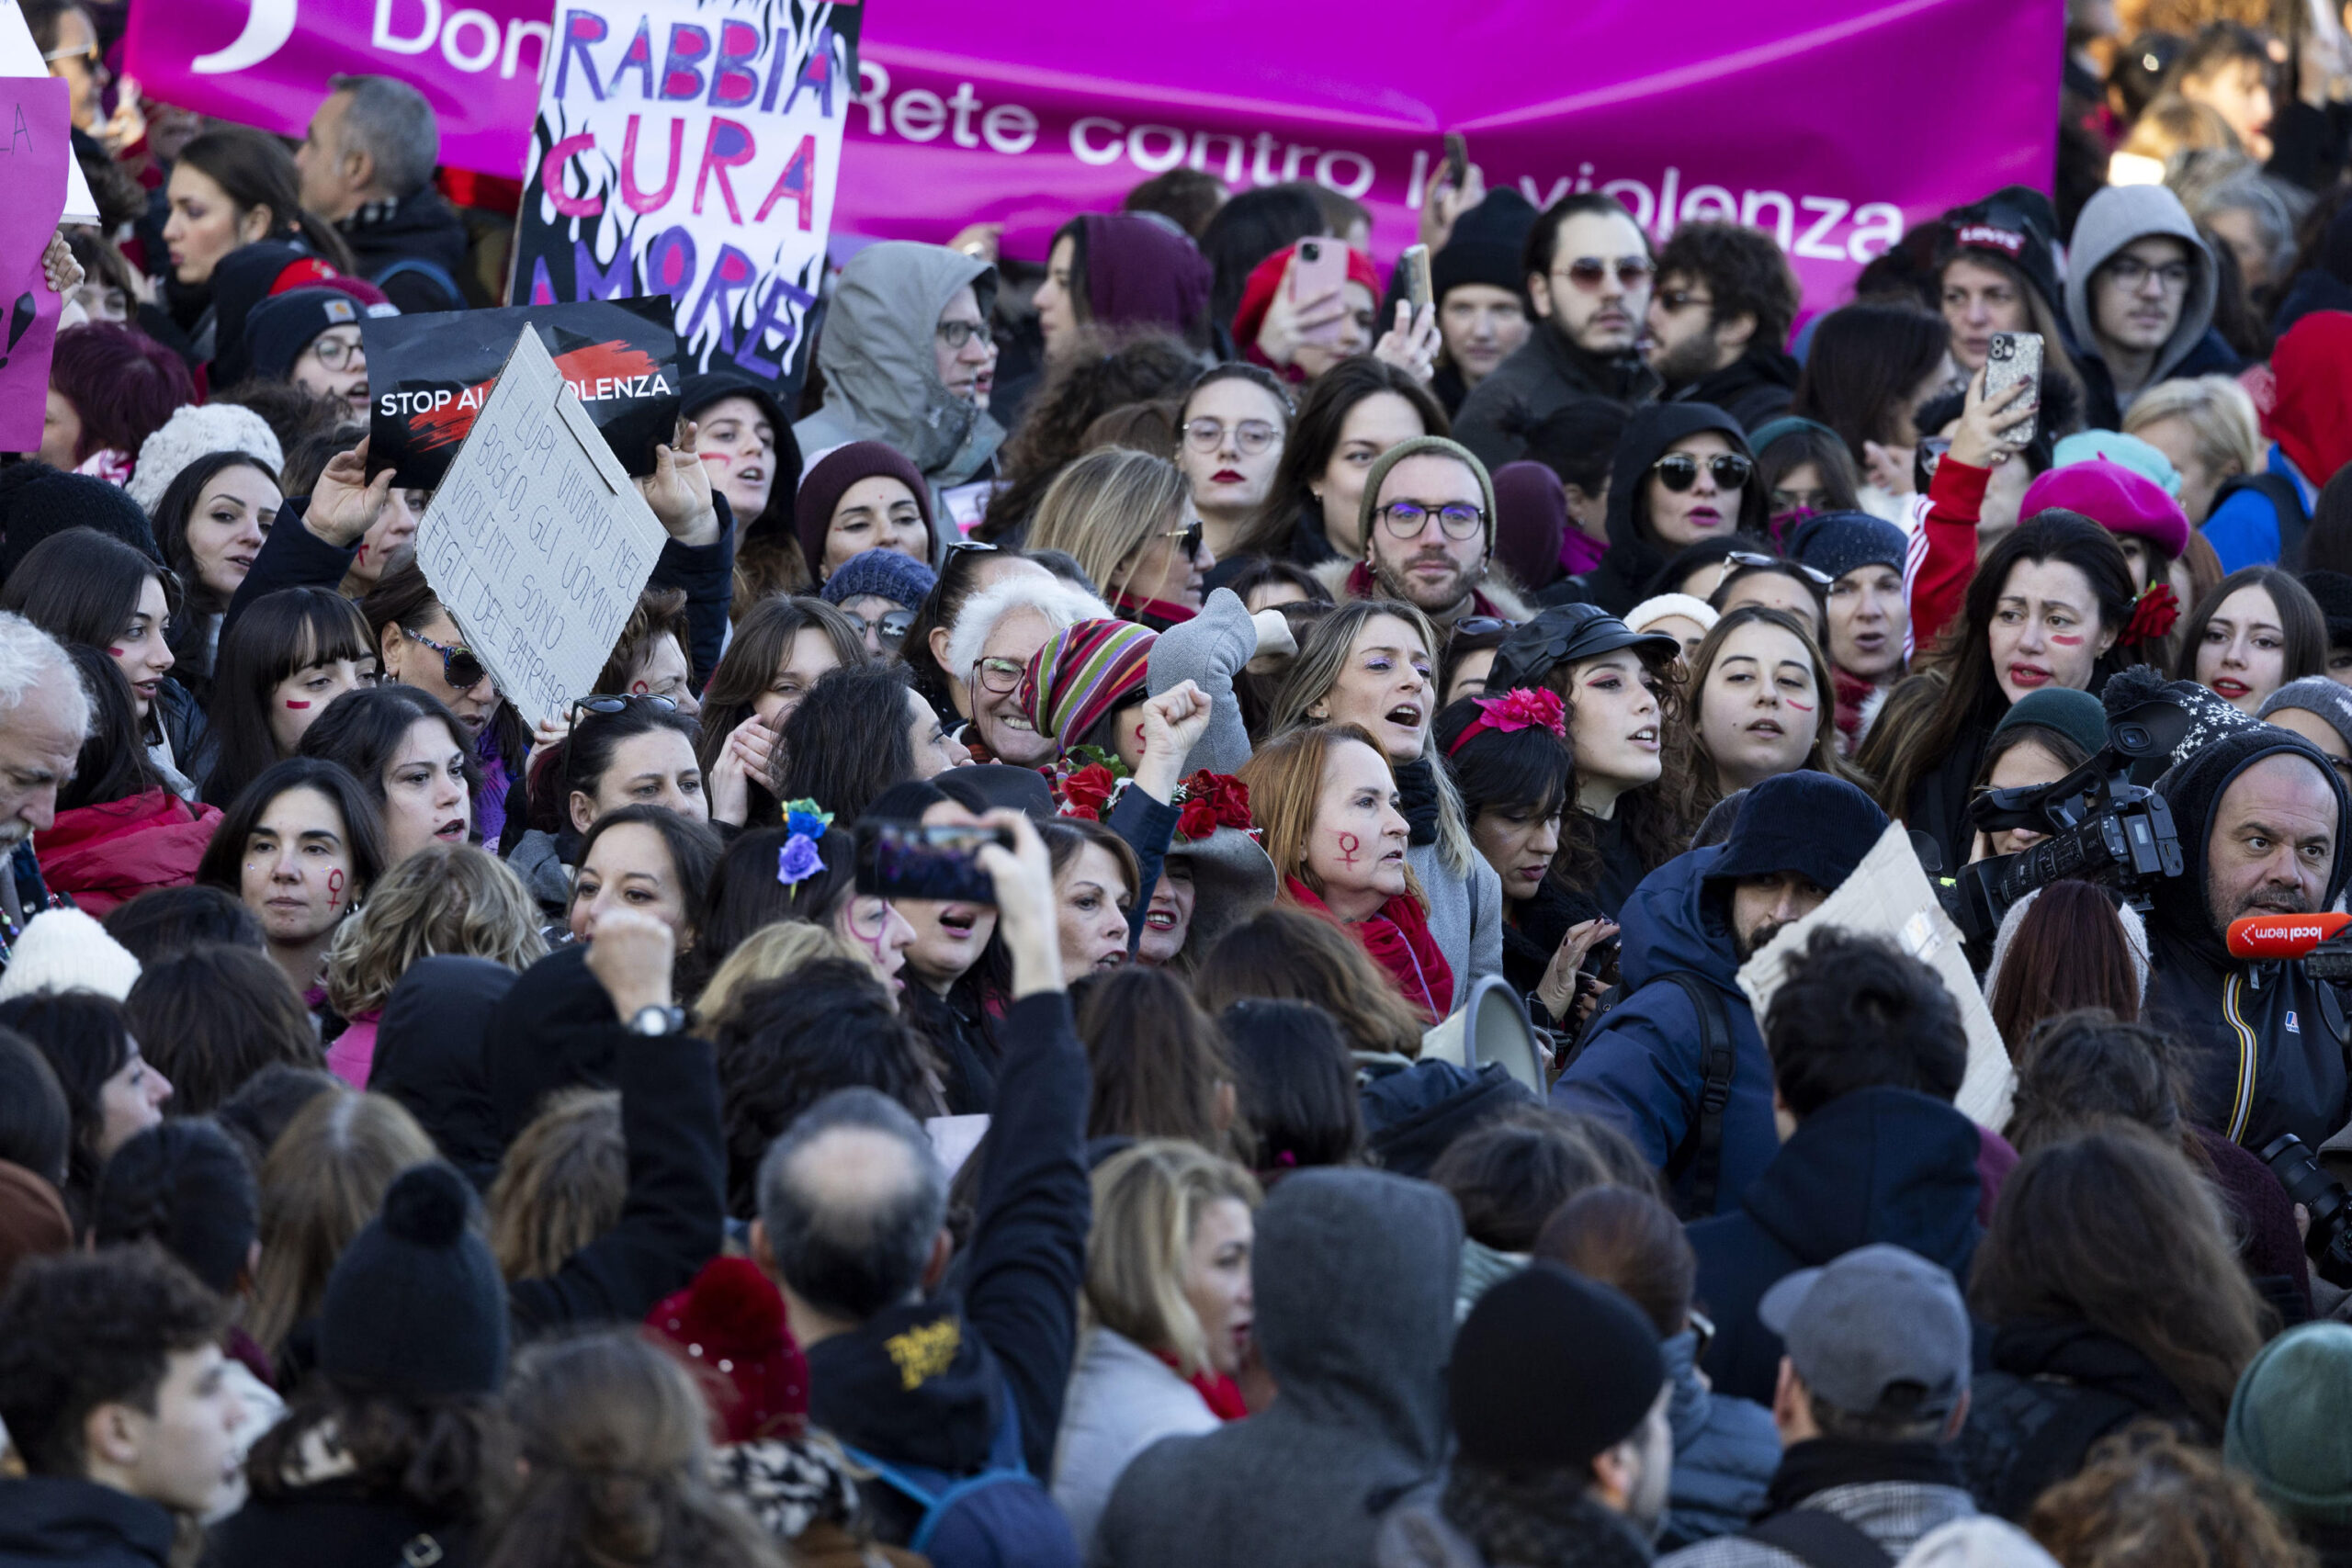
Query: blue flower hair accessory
{"points": [[799, 860]]}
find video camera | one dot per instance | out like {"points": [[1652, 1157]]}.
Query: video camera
{"points": [[2101, 826]]}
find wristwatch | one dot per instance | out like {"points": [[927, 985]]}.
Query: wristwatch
{"points": [[658, 1020]]}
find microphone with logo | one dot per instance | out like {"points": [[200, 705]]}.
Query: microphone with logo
{"points": [[2320, 942]]}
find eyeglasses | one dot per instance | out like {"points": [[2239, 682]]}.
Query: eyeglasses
{"points": [[334, 353], [1001, 676], [1252, 435], [1777, 563], [1188, 538], [890, 627], [1588, 272], [1675, 299], [1411, 519], [458, 665], [956, 334], [1679, 470], [2132, 272]]}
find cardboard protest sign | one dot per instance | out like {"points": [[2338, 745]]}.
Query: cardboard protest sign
{"points": [[689, 150], [35, 139], [1889, 896], [20, 61], [537, 543], [428, 375]]}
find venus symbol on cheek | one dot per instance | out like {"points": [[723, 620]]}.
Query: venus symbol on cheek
{"points": [[1348, 845], [335, 889]]}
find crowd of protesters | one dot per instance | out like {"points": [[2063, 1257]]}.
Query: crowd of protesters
{"points": [[435, 1133]]}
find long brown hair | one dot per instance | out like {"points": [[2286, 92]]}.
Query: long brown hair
{"points": [[1315, 434], [2112, 1228], [1284, 953], [560, 1185], [2299, 622], [2069, 951], [762, 642], [323, 1182], [1156, 1062], [1899, 755], [1659, 823], [1705, 786]]}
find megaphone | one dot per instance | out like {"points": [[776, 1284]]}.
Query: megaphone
{"points": [[1489, 1026]]}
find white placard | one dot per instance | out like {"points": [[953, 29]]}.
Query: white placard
{"points": [[537, 543], [21, 56], [954, 1138], [1888, 895]]}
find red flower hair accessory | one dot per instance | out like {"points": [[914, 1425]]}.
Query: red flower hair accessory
{"points": [[2153, 616], [1524, 707]]}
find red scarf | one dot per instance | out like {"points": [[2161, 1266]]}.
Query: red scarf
{"points": [[1399, 942], [1157, 614], [1853, 693], [1219, 1393]]}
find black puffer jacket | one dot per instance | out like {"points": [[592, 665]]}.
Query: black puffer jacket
{"points": [[2056, 1389]]}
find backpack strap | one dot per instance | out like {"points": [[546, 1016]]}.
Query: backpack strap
{"points": [[1819, 1539], [1716, 1060], [417, 266], [2284, 500]]}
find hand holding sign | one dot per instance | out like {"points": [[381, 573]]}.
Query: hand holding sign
{"points": [[678, 489]]}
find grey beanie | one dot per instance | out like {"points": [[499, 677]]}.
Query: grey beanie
{"points": [[1414, 448]]}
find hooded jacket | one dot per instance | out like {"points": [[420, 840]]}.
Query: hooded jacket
{"points": [[1542, 376], [2112, 220], [2264, 1052], [1354, 1273], [47, 1519], [105, 855], [429, 1048], [2054, 1390], [1012, 1331], [1642, 1070], [1635, 552], [1878, 1164], [881, 377], [1725, 1451]]}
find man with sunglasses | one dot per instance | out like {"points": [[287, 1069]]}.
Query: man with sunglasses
{"points": [[1588, 272], [2140, 293], [1725, 302], [1429, 534]]}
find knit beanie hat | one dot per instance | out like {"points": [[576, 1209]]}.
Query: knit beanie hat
{"points": [[1143, 271], [1369, 506], [2334, 592], [1083, 673], [1811, 823], [240, 281], [821, 491], [37, 501], [1658, 607], [2116, 447], [1488, 245], [197, 430], [1551, 1370], [2287, 1429], [1258, 291], [885, 574], [415, 1306], [65, 949], [2320, 695], [1835, 543], [2074, 714], [1530, 519], [283, 325], [2015, 223], [730, 1320], [2112, 496]]}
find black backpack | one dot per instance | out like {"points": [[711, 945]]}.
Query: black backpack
{"points": [[1700, 1152]]}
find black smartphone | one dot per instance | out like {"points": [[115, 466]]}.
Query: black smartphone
{"points": [[1457, 169], [908, 860]]}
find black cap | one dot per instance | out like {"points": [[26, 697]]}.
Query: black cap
{"points": [[1564, 633], [1550, 1371]]}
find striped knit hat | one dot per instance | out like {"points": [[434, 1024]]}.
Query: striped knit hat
{"points": [[1083, 673]]}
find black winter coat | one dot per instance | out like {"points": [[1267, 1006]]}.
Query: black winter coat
{"points": [[335, 1521], [2056, 1389], [48, 1521]]}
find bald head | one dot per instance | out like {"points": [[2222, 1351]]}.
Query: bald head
{"points": [[852, 1197], [2274, 838]]}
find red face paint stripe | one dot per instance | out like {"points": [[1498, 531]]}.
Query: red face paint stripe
{"points": [[292, 703]]}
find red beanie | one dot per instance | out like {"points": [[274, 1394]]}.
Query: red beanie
{"points": [[730, 1321], [1258, 291]]}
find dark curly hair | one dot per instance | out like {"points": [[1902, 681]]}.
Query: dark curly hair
{"points": [[1745, 272], [1104, 370], [1857, 1013]]}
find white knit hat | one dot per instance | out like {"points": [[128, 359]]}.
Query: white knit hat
{"points": [[65, 949], [196, 432], [1649, 612]]}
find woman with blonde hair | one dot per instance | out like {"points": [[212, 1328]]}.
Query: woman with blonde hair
{"points": [[616, 1439], [323, 1182], [1168, 1314], [560, 1186], [2208, 427], [1335, 830], [1761, 703], [1128, 518], [770, 953], [1369, 664], [448, 898]]}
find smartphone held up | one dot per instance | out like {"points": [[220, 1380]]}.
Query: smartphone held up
{"points": [[940, 862]]}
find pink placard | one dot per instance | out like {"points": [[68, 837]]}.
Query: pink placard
{"points": [[33, 116]]}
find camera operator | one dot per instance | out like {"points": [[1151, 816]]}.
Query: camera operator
{"points": [[2261, 820]]}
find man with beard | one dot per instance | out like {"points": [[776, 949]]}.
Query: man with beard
{"points": [[2260, 815], [1588, 272], [1428, 521], [1725, 300], [1680, 1065], [44, 716]]}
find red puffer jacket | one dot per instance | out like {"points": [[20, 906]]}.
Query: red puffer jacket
{"points": [[105, 855]]}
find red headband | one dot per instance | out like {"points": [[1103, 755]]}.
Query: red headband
{"points": [[1523, 708]]}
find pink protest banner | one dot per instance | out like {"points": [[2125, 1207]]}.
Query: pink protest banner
{"points": [[32, 192], [271, 62], [1835, 123]]}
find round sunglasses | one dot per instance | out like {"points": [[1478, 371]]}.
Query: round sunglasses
{"points": [[1678, 471]]}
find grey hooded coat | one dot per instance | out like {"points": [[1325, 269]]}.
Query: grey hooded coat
{"points": [[2110, 221]]}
